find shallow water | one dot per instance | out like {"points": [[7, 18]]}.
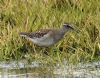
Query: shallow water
{"points": [[22, 69]]}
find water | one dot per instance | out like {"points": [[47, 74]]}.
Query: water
{"points": [[23, 69]]}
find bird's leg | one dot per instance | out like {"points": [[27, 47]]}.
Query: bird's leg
{"points": [[45, 50], [34, 49]]}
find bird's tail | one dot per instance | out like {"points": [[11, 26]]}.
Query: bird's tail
{"points": [[23, 34]]}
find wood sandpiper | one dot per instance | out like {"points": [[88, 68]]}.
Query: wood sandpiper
{"points": [[47, 37]]}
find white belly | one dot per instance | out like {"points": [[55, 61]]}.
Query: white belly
{"points": [[43, 42]]}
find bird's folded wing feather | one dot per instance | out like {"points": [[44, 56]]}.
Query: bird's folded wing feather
{"points": [[38, 34]]}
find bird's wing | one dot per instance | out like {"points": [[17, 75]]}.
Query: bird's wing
{"points": [[38, 34]]}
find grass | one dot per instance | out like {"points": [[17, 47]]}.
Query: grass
{"points": [[23, 15]]}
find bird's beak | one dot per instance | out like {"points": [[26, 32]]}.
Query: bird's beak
{"points": [[71, 28]]}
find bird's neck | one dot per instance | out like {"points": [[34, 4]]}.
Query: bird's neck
{"points": [[63, 30]]}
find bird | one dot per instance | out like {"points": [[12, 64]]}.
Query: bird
{"points": [[47, 37]]}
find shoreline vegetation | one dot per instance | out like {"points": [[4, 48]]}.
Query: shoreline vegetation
{"points": [[30, 15]]}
